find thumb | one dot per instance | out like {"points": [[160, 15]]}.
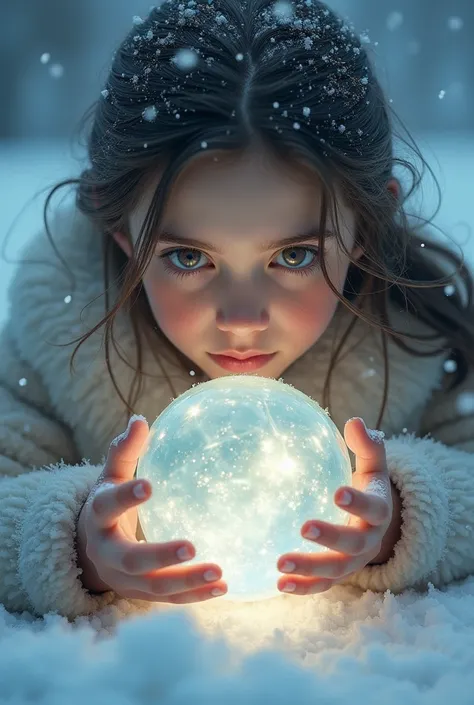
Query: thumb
{"points": [[367, 446], [125, 450]]}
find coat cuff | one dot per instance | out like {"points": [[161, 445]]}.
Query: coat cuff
{"points": [[47, 564], [421, 482]]}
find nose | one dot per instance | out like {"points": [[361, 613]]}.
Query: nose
{"points": [[242, 318]]}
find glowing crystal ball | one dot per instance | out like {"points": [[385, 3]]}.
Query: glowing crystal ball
{"points": [[237, 465]]}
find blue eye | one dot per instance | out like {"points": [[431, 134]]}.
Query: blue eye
{"points": [[192, 255]]}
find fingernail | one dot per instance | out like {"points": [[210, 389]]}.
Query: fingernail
{"points": [[139, 491], [345, 498], [288, 567], [215, 592], [124, 435], [184, 554], [210, 576], [312, 533], [289, 587]]}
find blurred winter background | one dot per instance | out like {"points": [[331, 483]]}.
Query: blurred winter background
{"points": [[55, 57]]}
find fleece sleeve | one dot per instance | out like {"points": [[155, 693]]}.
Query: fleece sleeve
{"points": [[435, 477], [43, 485]]}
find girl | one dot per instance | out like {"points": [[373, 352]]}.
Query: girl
{"points": [[240, 202]]}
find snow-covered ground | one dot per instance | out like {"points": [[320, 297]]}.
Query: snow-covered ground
{"points": [[334, 648]]}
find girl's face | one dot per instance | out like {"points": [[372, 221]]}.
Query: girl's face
{"points": [[239, 289]]}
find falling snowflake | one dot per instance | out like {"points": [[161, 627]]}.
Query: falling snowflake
{"points": [[283, 10], [45, 58], [67, 299], [465, 403], [23, 382], [150, 113], [441, 95], [368, 373], [56, 70], [450, 366], [449, 290], [455, 24], [394, 21], [186, 59]]}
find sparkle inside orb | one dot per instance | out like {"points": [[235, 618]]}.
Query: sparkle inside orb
{"points": [[237, 465]]}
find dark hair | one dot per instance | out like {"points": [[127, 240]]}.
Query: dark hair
{"points": [[228, 74]]}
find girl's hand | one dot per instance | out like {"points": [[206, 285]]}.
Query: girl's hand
{"points": [[107, 547], [359, 543]]}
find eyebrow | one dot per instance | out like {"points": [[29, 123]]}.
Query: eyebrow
{"points": [[311, 234]]}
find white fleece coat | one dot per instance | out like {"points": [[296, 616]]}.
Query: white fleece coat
{"points": [[56, 429]]}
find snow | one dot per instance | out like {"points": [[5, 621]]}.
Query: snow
{"points": [[455, 23], [56, 70], [150, 113], [394, 20], [333, 648], [186, 59]]}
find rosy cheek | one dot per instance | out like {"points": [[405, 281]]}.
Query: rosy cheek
{"points": [[173, 310], [312, 309]]}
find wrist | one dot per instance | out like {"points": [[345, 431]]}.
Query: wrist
{"points": [[89, 577], [394, 531]]}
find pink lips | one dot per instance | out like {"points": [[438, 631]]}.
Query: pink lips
{"points": [[249, 365]]}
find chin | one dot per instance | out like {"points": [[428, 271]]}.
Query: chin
{"points": [[269, 372]]}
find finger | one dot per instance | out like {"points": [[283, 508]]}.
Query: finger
{"points": [[298, 585], [374, 509], [125, 450], [174, 581], [367, 446], [330, 565], [136, 558], [182, 598], [345, 539], [110, 501]]}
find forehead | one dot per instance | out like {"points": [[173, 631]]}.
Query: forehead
{"points": [[253, 190]]}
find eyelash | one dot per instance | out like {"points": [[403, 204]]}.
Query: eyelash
{"points": [[177, 272]]}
